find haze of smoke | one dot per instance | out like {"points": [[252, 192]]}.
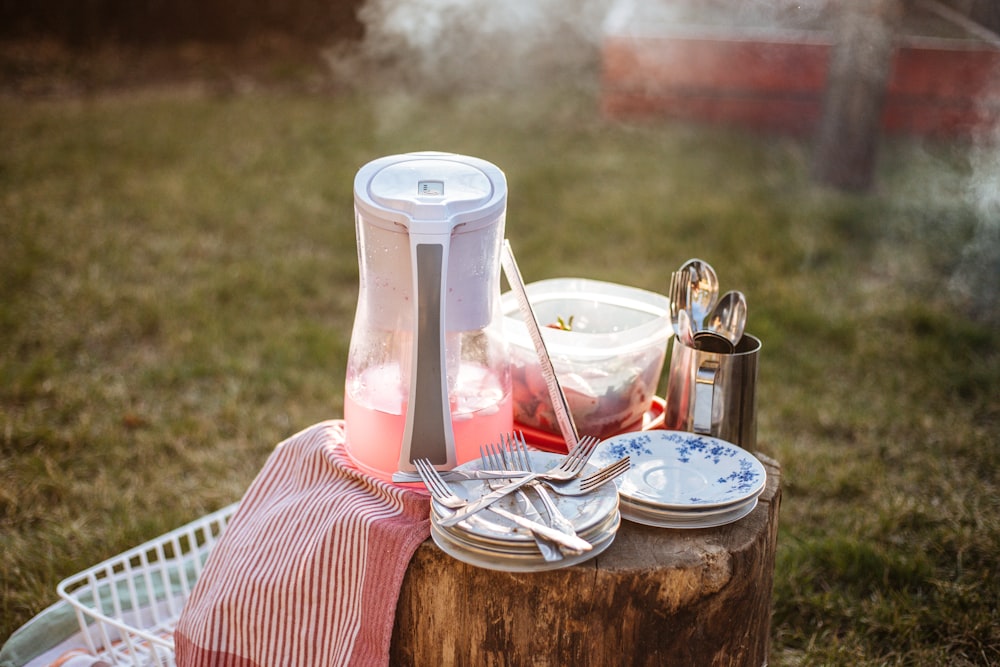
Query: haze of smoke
{"points": [[481, 44], [976, 280], [458, 45], [642, 16], [430, 46]]}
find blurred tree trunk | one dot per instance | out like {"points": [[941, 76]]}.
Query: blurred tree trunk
{"points": [[984, 12], [860, 64]]}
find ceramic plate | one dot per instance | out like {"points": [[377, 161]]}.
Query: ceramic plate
{"points": [[658, 519], [585, 512], [679, 471], [689, 514]]}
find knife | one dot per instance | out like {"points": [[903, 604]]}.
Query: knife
{"points": [[550, 550], [487, 500], [572, 543], [564, 418]]}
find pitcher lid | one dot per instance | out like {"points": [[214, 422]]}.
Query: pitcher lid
{"points": [[430, 187]]}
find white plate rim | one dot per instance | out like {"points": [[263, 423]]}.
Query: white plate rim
{"points": [[646, 518], [690, 513]]}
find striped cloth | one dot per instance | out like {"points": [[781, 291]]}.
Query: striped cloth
{"points": [[309, 568]]}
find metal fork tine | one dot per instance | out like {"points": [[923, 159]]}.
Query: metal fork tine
{"points": [[428, 482], [572, 456], [502, 456], [589, 445], [504, 452], [674, 292], [507, 448], [519, 450], [427, 479], [573, 464], [578, 456], [496, 456], [603, 473], [432, 480], [616, 468], [606, 473], [599, 481]]}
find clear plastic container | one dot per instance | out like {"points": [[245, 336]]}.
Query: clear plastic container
{"points": [[608, 362]]}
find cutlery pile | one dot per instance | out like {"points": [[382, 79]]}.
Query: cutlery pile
{"points": [[521, 510]]}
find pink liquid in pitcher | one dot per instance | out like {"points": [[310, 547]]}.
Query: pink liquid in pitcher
{"points": [[375, 415]]}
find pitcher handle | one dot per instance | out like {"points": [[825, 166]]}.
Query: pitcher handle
{"points": [[704, 397], [428, 431]]}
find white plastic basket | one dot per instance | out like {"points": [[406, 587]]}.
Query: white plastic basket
{"points": [[128, 605]]}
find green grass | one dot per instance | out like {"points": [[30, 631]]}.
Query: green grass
{"points": [[178, 280]]}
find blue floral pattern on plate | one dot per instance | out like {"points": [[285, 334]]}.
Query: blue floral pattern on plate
{"points": [[678, 470], [636, 444]]}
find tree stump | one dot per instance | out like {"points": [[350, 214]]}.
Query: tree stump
{"points": [[655, 597]]}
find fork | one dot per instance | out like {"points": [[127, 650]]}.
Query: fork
{"points": [[440, 491], [513, 456], [549, 550], [673, 293], [570, 467], [590, 483], [679, 295]]}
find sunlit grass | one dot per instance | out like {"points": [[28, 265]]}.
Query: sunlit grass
{"points": [[178, 279]]}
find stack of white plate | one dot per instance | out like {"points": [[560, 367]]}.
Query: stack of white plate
{"points": [[683, 480], [491, 541]]}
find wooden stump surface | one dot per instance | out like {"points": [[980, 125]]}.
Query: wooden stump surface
{"points": [[655, 597]]}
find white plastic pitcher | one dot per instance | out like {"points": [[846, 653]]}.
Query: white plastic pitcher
{"points": [[427, 373]]}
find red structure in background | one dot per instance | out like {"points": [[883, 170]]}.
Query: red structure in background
{"points": [[939, 90], [775, 80]]}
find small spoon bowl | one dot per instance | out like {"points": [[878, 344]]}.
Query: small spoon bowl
{"points": [[703, 290], [729, 317]]}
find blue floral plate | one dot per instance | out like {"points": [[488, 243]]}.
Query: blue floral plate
{"points": [[677, 470]]}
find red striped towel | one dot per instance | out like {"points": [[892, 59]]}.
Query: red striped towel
{"points": [[309, 568]]}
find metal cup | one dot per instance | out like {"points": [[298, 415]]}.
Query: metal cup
{"points": [[714, 393]]}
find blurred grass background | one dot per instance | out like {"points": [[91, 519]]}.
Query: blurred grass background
{"points": [[178, 280]]}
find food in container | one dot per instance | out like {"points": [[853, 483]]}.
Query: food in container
{"points": [[607, 343]]}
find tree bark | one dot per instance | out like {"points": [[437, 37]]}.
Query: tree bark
{"points": [[860, 65]]}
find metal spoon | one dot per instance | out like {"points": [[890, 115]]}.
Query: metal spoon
{"points": [[729, 317], [703, 290]]}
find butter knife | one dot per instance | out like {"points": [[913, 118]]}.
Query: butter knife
{"points": [[572, 543], [548, 548], [487, 500]]}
